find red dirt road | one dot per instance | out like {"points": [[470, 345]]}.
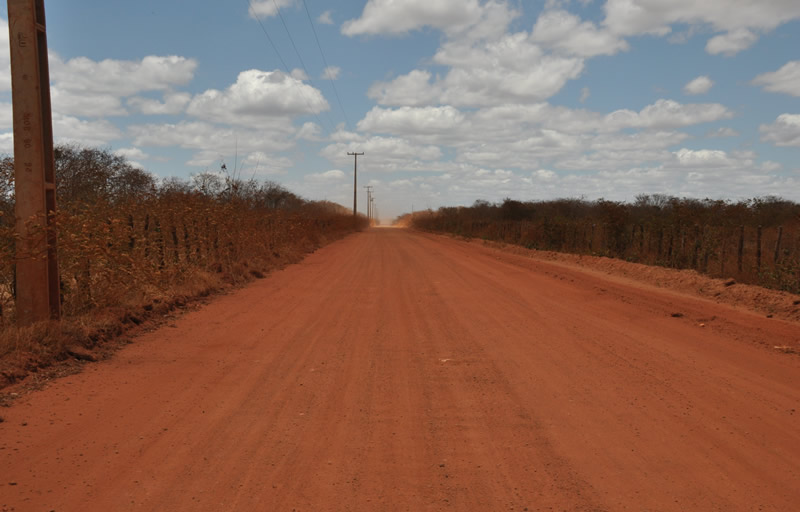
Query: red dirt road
{"points": [[399, 371]]}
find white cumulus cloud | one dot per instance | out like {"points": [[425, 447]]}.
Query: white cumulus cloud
{"points": [[255, 97], [332, 175], [119, 77], [704, 158], [566, 33], [410, 120], [451, 16], [132, 153], [700, 85], [785, 131], [739, 21], [732, 42], [173, 103], [785, 80], [267, 8], [384, 154], [88, 88], [331, 73]]}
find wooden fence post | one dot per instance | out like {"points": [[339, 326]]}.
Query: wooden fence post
{"points": [[175, 244], [758, 249], [778, 245], [722, 254], [131, 237], [145, 232], [741, 249], [669, 249], [641, 241]]}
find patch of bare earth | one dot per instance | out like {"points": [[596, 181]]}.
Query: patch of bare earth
{"points": [[772, 303], [396, 371]]}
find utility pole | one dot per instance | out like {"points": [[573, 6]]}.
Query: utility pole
{"points": [[37, 283], [369, 201], [355, 181]]}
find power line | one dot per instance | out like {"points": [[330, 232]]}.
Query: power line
{"points": [[325, 61], [285, 67], [297, 52]]}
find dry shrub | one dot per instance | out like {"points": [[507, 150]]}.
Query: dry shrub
{"points": [[130, 247], [704, 235]]}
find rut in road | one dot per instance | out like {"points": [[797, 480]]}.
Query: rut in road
{"points": [[398, 371]]}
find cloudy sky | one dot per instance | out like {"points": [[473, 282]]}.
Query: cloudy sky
{"points": [[451, 100]]}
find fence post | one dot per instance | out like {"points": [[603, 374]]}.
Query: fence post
{"points": [[722, 255], [132, 235], [641, 241], [669, 248], [778, 245], [682, 257], [741, 249], [175, 244], [758, 249], [161, 244], [187, 247]]}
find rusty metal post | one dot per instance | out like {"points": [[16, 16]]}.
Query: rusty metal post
{"points": [[38, 296]]}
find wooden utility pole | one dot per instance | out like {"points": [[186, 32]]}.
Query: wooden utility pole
{"points": [[355, 182], [37, 281], [369, 201]]}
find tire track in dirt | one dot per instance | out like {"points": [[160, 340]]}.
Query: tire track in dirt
{"points": [[398, 371]]}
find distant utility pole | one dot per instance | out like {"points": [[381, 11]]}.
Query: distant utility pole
{"points": [[37, 282], [369, 201], [355, 181]]}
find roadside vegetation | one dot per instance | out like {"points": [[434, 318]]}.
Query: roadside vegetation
{"points": [[755, 241], [132, 247]]}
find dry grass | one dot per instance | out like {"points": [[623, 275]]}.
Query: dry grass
{"points": [[131, 249], [96, 333], [111, 285]]}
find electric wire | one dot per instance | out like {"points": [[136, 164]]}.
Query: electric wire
{"points": [[297, 52], [285, 67], [325, 61]]}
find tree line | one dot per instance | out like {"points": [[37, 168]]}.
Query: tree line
{"points": [[756, 240], [126, 236]]}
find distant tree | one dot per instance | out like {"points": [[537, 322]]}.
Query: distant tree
{"points": [[87, 175], [208, 183]]}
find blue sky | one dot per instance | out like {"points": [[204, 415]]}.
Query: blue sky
{"points": [[451, 100]]}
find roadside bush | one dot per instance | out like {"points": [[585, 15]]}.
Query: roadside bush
{"points": [[755, 241], [126, 239]]}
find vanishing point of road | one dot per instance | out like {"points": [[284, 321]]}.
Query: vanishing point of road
{"points": [[397, 371]]}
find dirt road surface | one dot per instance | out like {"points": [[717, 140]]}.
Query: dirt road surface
{"points": [[398, 371]]}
